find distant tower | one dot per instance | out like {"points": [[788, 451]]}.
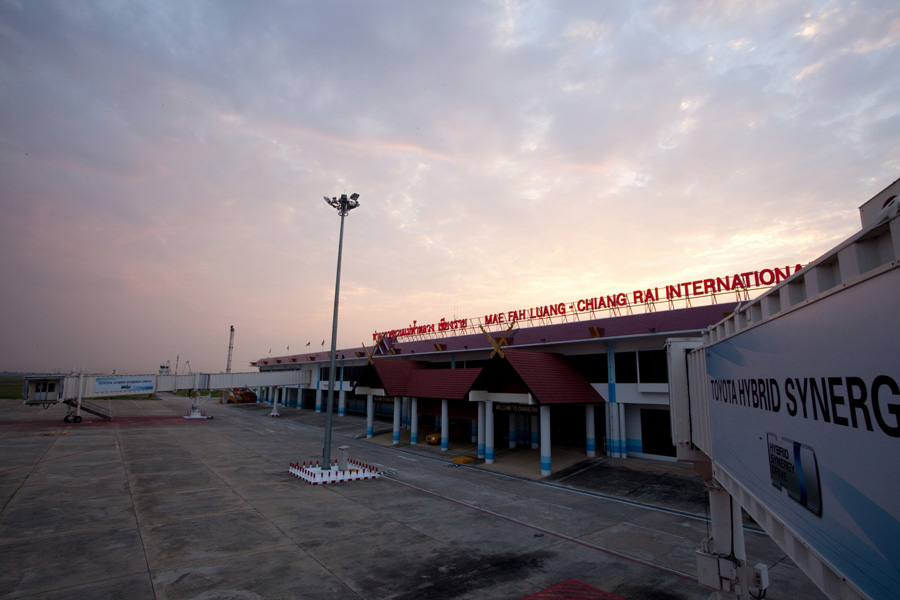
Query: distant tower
{"points": [[230, 349]]}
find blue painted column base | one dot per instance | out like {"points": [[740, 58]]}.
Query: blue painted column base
{"points": [[546, 465]]}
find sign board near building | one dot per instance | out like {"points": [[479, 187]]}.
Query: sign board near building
{"points": [[805, 414], [532, 409]]}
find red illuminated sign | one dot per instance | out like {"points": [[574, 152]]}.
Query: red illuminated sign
{"points": [[673, 292]]}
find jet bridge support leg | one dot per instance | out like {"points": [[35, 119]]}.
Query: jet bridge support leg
{"points": [[727, 528], [73, 414], [722, 558]]}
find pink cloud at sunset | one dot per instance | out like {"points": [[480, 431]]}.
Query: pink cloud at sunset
{"points": [[163, 164]]}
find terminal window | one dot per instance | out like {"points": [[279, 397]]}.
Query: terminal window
{"points": [[626, 367], [593, 367], [351, 373], [652, 366]]}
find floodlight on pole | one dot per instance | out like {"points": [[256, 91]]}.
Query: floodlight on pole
{"points": [[343, 205]]}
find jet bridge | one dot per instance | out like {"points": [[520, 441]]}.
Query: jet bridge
{"points": [[790, 407], [46, 390], [77, 390]]}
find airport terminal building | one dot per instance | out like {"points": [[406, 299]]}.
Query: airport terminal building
{"points": [[591, 374]]}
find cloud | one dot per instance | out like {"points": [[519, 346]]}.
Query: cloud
{"points": [[164, 164]]}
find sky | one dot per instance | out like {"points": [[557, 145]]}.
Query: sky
{"points": [[163, 164]]}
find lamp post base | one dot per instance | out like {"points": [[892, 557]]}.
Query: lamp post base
{"points": [[313, 474]]}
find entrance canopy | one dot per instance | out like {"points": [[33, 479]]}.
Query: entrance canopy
{"points": [[552, 379], [402, 377], [548, 378]]}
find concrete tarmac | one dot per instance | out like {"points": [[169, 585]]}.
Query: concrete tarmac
{"points": [[154, 506]]}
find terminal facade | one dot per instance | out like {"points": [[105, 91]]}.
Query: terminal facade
{"points": [[595, 383]]}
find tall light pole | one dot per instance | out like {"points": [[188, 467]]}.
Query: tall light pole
{"points": [[343, 205]]}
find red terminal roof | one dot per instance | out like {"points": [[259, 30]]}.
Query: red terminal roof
{"points": [[401, 377], [551, 378]]}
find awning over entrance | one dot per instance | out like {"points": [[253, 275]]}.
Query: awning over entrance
{"points": [[401, 377], [551, 378]]}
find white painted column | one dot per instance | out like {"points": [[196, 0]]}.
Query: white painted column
{"points": [[609, 429], [616, 426], [615, 416], [545, 441], [342, 395], [445, 425], [523, 423], [275, 392], [489, 432], [590, 433], [370, 415], [318, 400], [414, 420], [404, 412], [481, 426], [396, 420]]}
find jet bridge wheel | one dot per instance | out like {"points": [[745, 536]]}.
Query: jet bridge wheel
{"points": [[76, 419], [72, 419], [67, 419]]}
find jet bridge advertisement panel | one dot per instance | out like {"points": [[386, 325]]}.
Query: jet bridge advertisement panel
{"points": [[805, 414], [124, 385]]}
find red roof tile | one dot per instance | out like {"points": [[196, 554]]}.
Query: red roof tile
{"points": [[402, 377], [452, 384], [552, 379]]}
